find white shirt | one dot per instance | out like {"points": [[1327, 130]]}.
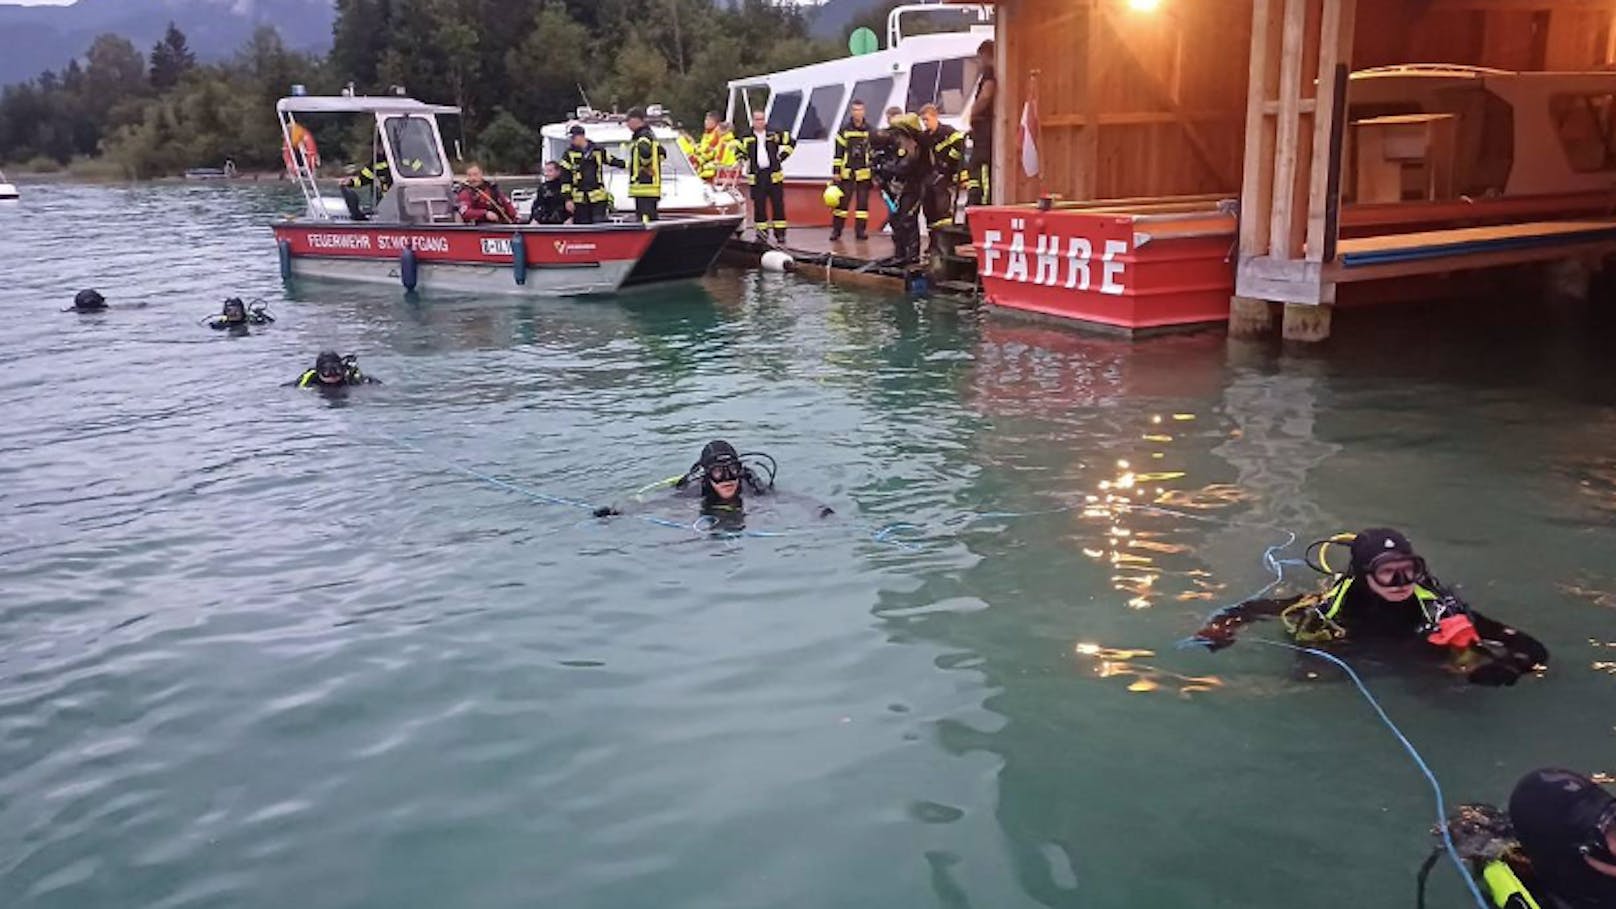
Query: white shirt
{"points": [[763, 150]]}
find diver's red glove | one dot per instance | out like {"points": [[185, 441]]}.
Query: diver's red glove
{"points": [[1455, 631]]}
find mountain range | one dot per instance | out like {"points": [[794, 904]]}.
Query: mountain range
{"points": [[37, 38]]}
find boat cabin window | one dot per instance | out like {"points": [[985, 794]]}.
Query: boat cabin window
{"points": [[820, 120], [945, 83], [782, 112], [413, 139], [1585, 125], [874, 93]]}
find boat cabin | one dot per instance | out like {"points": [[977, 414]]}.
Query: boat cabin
{"points": [[406, 131], [683, 190], [1430, 132]]}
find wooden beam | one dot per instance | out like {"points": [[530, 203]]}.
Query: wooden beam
{"points": [[1257, 187], [1288, 127], [1324, 181], [1006, 109], [1143, 118]]}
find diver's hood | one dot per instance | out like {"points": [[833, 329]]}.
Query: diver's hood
{"points": [[717, 451], [330, 364], [1555, 813]]}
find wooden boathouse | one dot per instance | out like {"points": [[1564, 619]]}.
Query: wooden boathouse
{"points": [[1268, 161]]}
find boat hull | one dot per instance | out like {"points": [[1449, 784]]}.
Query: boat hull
{"points": [[559, 260]]}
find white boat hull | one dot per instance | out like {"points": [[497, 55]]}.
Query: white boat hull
{"points": [[7, 191]]}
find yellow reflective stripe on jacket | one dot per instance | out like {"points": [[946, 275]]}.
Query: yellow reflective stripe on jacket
{"points": [[1338, 595], [1505, 888], [307, 377]]}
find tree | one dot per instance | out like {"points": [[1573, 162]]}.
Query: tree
{"points": [[171, 58], [506, 145], [543, 73], [114, 74]]}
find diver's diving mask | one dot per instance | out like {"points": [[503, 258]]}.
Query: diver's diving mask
{"points": [[725, 472], [1395, 569]]}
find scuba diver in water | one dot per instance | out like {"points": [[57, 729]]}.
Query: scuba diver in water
{"points": [[237, 315], [721, 477], [88, 300], [1387, 595], [333, 371], [1555, 849]]}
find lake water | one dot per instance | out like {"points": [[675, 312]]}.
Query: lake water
{"points": [[260, 649]]}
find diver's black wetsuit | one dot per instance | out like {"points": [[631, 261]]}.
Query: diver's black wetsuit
{"points": [[1370, 622], [1555, 814]]}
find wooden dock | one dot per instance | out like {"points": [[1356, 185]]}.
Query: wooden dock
{"points": [[857, 263]]}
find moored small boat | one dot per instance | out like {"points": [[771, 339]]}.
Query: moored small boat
{"points": [[412, 236], [7, 189]]}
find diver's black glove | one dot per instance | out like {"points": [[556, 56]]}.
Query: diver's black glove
{"points": [[1494, 674], [606, 511]]}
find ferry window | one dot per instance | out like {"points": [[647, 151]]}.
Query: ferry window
{"points": [[874, 93], [922, 85], [783, 111], [945, 83], [820, 120], [1584, 123], [412, 139]]}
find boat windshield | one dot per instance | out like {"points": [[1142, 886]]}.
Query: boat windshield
{"points": [[413, 139]]}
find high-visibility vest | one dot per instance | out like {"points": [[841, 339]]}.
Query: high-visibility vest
{"points": [[645, 156]]}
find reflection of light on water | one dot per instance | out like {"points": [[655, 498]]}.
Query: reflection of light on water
{"points": [[1602, 778], [1113, 662], [1118, 500]]}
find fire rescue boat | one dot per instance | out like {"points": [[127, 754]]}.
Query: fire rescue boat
{"points": [[410, 235]]}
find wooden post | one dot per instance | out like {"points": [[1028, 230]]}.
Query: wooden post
{"points": [[1329, 124], [1288, 127], [1257, 187], [1005, 107]]}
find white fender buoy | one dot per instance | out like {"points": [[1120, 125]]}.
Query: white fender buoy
{"points": [[775, 260]]}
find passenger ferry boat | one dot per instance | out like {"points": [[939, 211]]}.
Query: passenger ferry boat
{"points": [[683, 190], [811, 102], [7, 190], [413, 237]]}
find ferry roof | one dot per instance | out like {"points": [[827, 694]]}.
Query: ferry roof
{"points": [[360, 104], [916, 48]]}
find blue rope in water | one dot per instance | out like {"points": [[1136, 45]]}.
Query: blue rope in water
{"points": [[1271, 561], [1430, 775]]}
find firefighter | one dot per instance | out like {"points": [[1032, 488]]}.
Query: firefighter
{"points": [[645, 156], [379, 175], [978, 186], [765, 152], [851, 167], [711, 147], [943, 147], [900, 171], [583, 177]]}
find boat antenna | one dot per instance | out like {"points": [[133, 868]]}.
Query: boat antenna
{"points": [[584, 95]]}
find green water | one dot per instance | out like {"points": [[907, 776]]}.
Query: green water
{"points": [[258, 649]]}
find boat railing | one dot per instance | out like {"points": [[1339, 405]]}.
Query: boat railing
{"points": [[303, 171]]}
